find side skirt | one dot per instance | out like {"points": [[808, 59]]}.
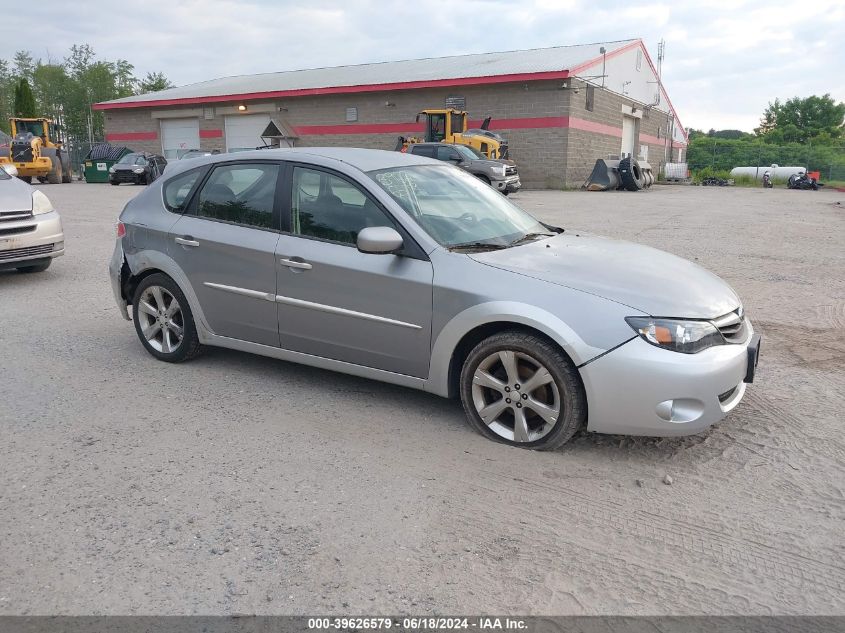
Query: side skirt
{"points": [[314, 361]]}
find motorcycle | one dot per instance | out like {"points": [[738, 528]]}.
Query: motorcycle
{"points": [[803, 182]]}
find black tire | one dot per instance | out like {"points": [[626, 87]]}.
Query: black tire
{"points": [[572, 399], [112, 182], [630, 173], [54, 177], [484, 179], [39, 267], [189, 347], [67, 174]]}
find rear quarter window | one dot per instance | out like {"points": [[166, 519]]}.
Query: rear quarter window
{"points": [[177, 190]]}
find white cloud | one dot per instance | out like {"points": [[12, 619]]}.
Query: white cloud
{"points": [[726, 59]]}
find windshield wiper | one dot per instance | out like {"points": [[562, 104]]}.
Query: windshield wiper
{"points": [[478, 246], [529, 236]]}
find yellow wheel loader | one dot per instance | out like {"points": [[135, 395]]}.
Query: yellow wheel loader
{"points": [[37, 150], [450, 126]]}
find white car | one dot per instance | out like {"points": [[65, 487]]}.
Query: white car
{"points": [[30, 228]]}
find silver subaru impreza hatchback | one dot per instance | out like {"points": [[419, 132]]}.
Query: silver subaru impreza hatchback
{"points": [[410, 271]]}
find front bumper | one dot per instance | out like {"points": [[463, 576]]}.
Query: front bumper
{"points": [[509, 184], [40, 237], [116, 264], [640, 389], [127, 176]]}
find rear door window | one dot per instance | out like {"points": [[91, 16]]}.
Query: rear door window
{"points": [[241, 194], [423, 150]]}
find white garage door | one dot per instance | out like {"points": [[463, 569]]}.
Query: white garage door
{"points": [[243, 131], [178, 136]]}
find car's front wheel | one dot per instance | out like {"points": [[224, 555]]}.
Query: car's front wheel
{"points": [[521, 389], [163, 320]]}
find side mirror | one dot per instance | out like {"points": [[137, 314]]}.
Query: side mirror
{"points": [[379, 240], [9, 168]]}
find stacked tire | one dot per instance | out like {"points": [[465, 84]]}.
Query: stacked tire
{"points": [[633, 175]]}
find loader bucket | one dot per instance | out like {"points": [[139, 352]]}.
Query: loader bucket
{"points": [[605, 176]]}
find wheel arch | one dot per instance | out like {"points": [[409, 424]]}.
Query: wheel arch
{"points": [[148, 262], [469, 327]]}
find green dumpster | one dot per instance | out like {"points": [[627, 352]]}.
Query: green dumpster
{"points": [[99, 159]]}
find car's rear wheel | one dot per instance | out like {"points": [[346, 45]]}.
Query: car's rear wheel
{"points": [[522, 390], [163, 320]]}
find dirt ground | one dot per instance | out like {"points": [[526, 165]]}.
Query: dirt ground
{"points": [[239, 484]]}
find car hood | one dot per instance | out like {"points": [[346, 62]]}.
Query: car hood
{"points": [[127, 167], [15, 195], [491, 162], [644, 278]]}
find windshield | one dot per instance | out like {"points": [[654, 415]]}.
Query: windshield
{"points": [[456, 208], [132, 159], [468, 152], [36, 127]]}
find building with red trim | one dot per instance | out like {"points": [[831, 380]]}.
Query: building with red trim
{"points": [[560, 108]]}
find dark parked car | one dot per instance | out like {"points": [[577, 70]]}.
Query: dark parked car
{"points": [[139, 168], [500, 174]]}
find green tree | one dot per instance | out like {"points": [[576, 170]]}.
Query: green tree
{"points": [[24, 100], [50, 86], [800, 120], [7, 95], [23, 65], [124, 79], [154, 82]]}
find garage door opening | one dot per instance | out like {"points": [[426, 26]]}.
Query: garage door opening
{"points": [[178, 136], [243, 131]]}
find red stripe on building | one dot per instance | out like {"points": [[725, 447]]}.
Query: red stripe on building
{"points": [[592, 126], [132, 136], [304, 92], [211, 133]]}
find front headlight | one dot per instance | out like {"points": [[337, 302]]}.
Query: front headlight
{"points": [[111, 170], [139, 170], [40, 203], [504, 170], [678, 335]]}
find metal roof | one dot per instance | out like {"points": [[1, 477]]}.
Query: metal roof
{"points": [[441, 69]]}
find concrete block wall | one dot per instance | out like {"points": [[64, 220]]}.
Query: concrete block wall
{"points": [[549, 154]]}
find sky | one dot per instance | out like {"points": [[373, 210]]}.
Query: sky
{"points": [[725, 60]]}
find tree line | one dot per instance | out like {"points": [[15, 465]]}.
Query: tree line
{"points": [[807, 132], [65, 90]]}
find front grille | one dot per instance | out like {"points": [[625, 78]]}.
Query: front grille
{"points": [[31, 251], [125, 176], [17, 230], [732, 326], [9, 216], [510, 170], [21, 153]]}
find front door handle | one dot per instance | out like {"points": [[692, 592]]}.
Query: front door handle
{"points": [[292, 263], [185, 241]]}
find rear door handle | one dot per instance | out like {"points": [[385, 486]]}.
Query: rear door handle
{"points": [[292, 263], [184, 241]]}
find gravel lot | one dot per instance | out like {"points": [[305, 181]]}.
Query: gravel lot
{"points": [[239, 484]]}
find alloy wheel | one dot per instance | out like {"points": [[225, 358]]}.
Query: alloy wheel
{"points": [[161, 319], [516, 396]]}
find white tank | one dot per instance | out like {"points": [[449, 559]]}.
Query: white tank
{"points": [[775, 171]]}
